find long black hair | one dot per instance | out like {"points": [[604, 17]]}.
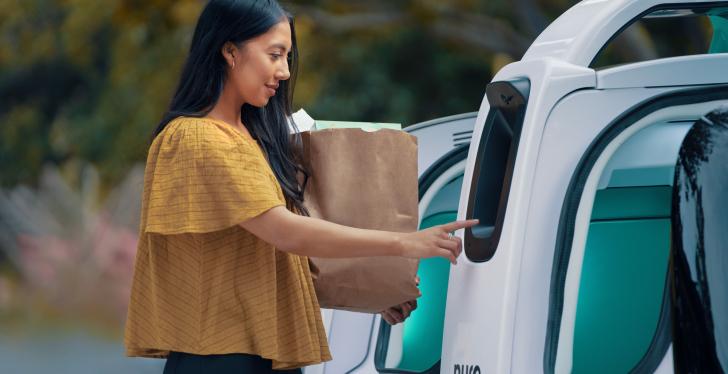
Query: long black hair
{"points": [[203, 76]]}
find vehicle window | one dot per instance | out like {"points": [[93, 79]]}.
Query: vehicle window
{"points": [[668, 33], [416, 345], [609, 308], [622, 290]]}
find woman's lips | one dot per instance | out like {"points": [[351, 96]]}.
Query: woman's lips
{"points": [[271, 89]]}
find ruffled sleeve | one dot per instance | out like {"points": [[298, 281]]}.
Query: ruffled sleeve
{"points": [[202, 178]]}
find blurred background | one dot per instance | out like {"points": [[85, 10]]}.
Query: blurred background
{"points": [[84, 82]]}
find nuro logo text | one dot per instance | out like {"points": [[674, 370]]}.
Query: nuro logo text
{"points": [[466, 369]]}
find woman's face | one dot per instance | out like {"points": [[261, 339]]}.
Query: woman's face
{"points": [[260, 64]]}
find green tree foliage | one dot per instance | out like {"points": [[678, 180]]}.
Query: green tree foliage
{"points": [[86, 80]]}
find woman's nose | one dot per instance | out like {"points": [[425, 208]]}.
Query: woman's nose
{"points": [[283, 73]]}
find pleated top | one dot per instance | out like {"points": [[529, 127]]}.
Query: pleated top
{"points": [[202, 284]]}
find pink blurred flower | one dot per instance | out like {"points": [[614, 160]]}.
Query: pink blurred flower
{"points": [[76, 254]]}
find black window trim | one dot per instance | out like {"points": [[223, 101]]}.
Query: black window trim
{"points": [[565, 234]]}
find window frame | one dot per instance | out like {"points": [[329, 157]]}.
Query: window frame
{"points": [[567, 221]]}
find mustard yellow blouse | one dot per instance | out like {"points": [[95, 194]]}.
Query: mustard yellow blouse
{"points": [[202, 284]]}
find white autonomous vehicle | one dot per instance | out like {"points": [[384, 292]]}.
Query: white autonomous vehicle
{"points": [[571, 171]]}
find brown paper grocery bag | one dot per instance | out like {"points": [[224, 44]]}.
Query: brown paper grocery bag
{"points": [[366, 180]]}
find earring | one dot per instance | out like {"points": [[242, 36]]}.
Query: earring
{"points": [[233, 64]]}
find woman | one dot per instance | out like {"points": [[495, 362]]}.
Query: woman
{"points": [[221, 280]]}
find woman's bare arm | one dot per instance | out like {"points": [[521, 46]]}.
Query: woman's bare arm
{"points": [[318, 238]]}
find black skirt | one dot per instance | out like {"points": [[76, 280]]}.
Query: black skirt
{"points": [[238, 363]]}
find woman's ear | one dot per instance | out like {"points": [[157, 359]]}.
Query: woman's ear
{"points": [[229, 52]]}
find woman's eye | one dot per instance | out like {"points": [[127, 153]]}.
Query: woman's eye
{"points": [[276, 56]]}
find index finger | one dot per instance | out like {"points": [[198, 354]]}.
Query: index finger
{"points": [[457, 225]]}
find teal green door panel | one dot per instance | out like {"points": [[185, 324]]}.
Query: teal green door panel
{"points": [[422, 334], [632, 202], [620, 295]]}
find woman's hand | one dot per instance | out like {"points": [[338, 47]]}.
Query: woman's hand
{"points": [[436, 241], [399, 313]]}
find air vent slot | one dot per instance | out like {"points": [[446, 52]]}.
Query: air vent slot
{"points": [[461, 138]]}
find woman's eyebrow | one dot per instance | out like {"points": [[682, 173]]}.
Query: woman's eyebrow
{"points": [[280, 46]]}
